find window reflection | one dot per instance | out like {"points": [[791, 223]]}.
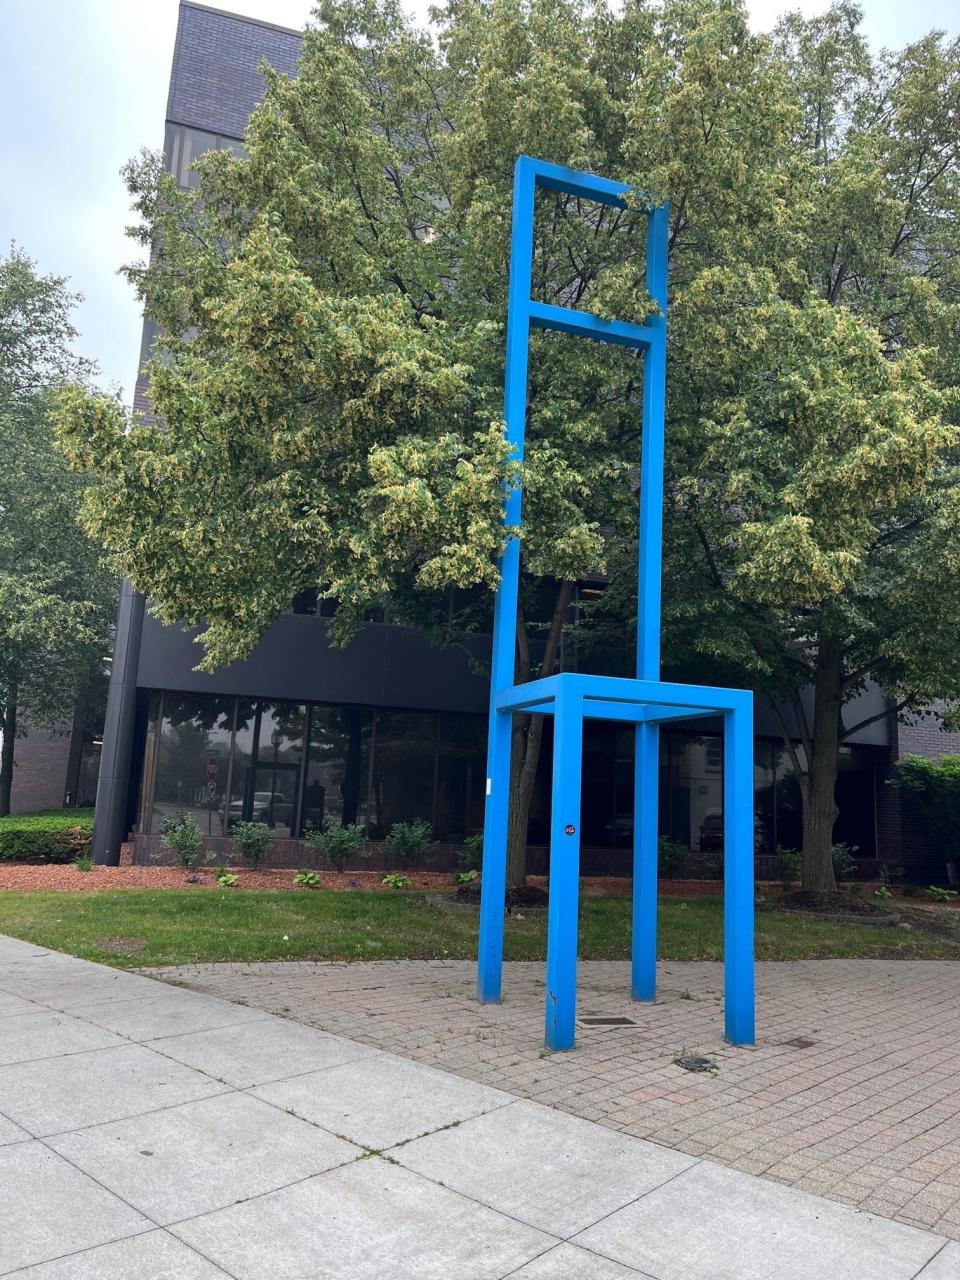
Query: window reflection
{"points": [[461, 777], [192, 760], [338, 766], [183, 145], [267, 760], [293, 767], [402, 781]]}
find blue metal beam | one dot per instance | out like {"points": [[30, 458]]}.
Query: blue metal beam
{"points": [[582, 324]]}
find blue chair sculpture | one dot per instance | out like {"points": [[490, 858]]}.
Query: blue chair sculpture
{"points": [[646, 702]]}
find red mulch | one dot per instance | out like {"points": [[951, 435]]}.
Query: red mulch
{"points": [[50, 878], [67, 879]]}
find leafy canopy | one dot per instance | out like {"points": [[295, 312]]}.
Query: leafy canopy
{"points": [[55, 599], [334, 302]]}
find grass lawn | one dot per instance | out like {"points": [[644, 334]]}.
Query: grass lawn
{"points": [[178, 926]]}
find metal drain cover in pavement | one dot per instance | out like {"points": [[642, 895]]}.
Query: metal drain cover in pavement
{"points": [[694, 1062], [607, 1022]]}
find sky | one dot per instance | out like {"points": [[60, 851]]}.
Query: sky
{"points": [[83, 86]]}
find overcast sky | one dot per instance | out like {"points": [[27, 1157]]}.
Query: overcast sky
{"points": [[83, 85]]}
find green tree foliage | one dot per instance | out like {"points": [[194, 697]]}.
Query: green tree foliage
{"points": [[334, 303], [934, 788], [56, 602]]}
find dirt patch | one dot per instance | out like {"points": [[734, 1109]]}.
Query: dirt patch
{"points": [[529, 897], [121, 946], [831, 904]]}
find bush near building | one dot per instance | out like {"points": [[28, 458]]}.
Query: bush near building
{"points": [[54, 835]]}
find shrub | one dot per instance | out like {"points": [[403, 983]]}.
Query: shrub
{"points": [[252, 839], [58, 835], [671, 856], [183, 837], [939, 894], [471, 854], [934, 789], [409, 841], [788, 867], [338, 844], [395, 881], [844, 861]]}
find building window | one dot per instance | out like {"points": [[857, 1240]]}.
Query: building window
{"points": [[338, 766], [192, 753], [183, 145], [461, 776], [267, 763], [403, 773], [293, 767]]}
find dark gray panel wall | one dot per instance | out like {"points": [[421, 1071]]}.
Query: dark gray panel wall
{"points": [[385, 666]]}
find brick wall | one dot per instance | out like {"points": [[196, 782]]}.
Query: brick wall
{"points": [[216, 82], [40, 772]]}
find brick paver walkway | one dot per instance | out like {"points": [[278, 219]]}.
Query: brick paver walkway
{"points": [[852, 1091]]}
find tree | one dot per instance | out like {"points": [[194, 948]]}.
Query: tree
{"points": [[56, 601], [814, 507], [331, 412]]}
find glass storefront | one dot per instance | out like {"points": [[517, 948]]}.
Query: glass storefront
{"points": [[293, 766]]}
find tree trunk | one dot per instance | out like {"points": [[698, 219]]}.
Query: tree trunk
{"points": [[819, 801], [6, 755], [527, 739], [524, 759]]}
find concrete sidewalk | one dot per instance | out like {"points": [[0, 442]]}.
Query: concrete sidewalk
{"points": [[156, 1133]]}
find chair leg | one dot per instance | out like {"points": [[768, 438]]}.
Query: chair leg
{"points": [[738, 973], [494, 880], [643, 982], [564, 904]]}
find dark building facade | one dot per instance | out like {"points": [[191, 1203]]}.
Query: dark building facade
{"points": [[389, 729]]}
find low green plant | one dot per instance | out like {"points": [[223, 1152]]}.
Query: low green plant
{"points": [[84, 862], [471, 853], [183, 837], [309, 879], [939, 894], [468, 877], [910, 891], [57, 835], [845, 863], [409, 841], [882, 892], [338, 843], [394, 880], [671, 856], [253, 841], [227, 878], [788, 867]]}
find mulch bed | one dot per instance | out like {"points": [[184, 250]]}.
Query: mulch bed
{"points": [[50, 878]]}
